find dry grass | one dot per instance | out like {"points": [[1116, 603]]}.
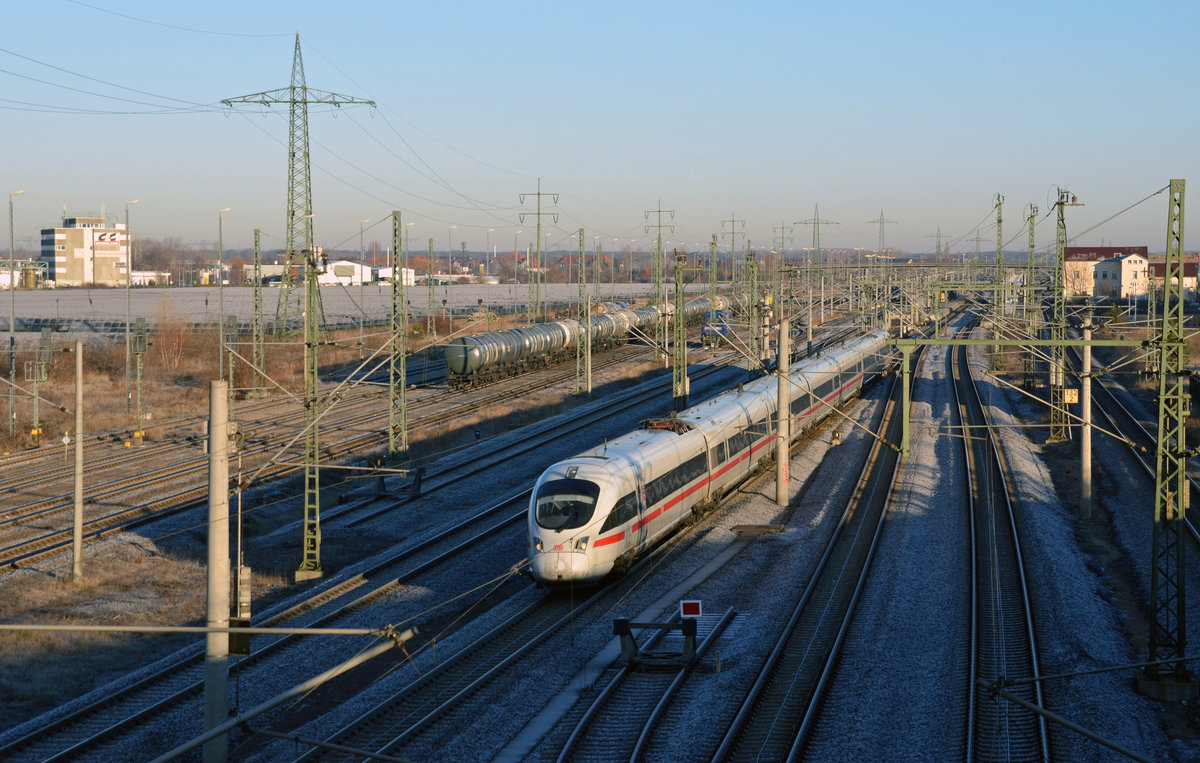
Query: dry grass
{"points": [[127, 581], [176, 369], [130, 580]]}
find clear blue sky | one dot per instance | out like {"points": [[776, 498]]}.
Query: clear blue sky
{"points": [[924, 110]]}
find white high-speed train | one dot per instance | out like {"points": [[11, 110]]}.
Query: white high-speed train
{"points": [[595, 512]]}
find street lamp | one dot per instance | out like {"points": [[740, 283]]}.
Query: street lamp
{"points": [[404, 259], [487, 254], [128, 280], [612, 275], [450, 250], [12, 319], [221, 293], [362, 309], [629, 266]]}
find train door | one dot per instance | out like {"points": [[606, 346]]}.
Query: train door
{"points": [[641, 531]]}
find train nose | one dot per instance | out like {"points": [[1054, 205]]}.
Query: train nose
{"points": [[555, 566]]}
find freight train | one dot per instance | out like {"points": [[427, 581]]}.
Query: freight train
{"points": [[594, 513], [482, 358]]}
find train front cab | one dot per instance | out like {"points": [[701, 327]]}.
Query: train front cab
{"points": [[569, 505]]}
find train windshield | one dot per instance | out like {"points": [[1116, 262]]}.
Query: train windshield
{"points": [[565, 504]]}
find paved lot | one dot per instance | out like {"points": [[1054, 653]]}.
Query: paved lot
{"points": [[98, 307]]}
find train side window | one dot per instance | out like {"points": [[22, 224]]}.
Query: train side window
{"points": [[801, 403], [626, 509]]}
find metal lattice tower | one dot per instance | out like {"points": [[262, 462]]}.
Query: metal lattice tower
{"points": [[1168, 636], [660, 328], [310, 564], [430, 310], [680, 386], [298, 224], [712, 277], [883, 223], [784, 235], [998, 297], [535, 278], [816, 222], [258, 356], [300, 251], [583, 346], [754, 359], [397, 371], [734, 231], [1030, 313], [937, 252], [1059, 430], [1151, 358]]}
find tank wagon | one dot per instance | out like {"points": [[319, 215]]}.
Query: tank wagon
{"points": [[594, 513], [482, 358]]}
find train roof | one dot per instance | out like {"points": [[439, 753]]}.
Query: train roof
{"points": [[720, 409]]}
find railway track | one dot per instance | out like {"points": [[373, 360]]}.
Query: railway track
{"points": [[619, 722], [92, 729], [1003, 642], [1140, 441], [420, 717], [42, 528], [107, 721], [781, 707]]}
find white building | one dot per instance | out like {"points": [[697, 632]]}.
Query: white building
{"points": [[1080, 262], [410, 276], [346, 273], [1121, 277]]}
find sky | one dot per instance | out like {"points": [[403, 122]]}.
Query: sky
{"points": [[738, 119]]}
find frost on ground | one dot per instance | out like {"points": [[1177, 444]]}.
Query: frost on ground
{"points": [[1080, 629], [889, 697]]}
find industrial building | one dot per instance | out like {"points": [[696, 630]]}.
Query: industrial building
{"points": [[85, 252], [346, 273]]}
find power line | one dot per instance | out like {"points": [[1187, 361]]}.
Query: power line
{"points": [[175, 26]]}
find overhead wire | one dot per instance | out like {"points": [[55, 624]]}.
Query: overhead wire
{"points": [[101, 81], [176, 26], [417, 127], [477, 204], [159, 109]]}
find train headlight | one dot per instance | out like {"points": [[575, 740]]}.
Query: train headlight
{"points": [[537, 544], [581, 544]]}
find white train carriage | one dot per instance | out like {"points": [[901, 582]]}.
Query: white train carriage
{"points": [[595, 512]]}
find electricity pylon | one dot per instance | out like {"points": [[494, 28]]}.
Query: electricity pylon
{"points": [[734, 231], [816, 222], [535, 279], [299, 223], [783, 235], [300, 252], [583, 340], [660, 329], [882, 221]]}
